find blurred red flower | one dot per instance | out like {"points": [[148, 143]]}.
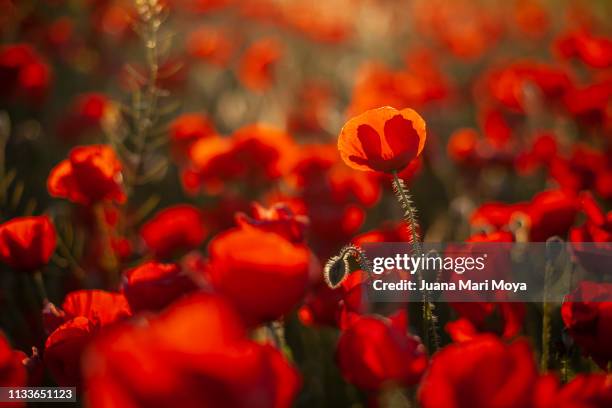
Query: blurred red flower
{"points": [[375, 352], [588, 318], [90, 174], [257, 66], [504, 319], [596, 231], [590, 103], [320, 306], [388, 232], [23, 73], [194, 354], [153, 286], [583, 391], [262, 287], [100, 307], [84, 314], [27, 243], [278, 218], [465, 29], [64, 347], [539, 154], [382, 139], [463, 146], [12, 371], [508, 85], [483, 372], [496, 215], [187, 129], [173, 229], [585, 169], [420, 83], [255, 154], [549, 213], [210, 44], [592, 50], [85, 114]]}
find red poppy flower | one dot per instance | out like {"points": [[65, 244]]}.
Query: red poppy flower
{"points": [[90, 174], [585, 169], [27, 243], [495, 214], [321, 306], [589, 103], [153, 285], [331, 195], [64, 347], [318, 171], [382, 139], [531, 18], [592, 50], [177, 228], [597, 232], [463, 28], [587, 314], [187, 129], [541, 153], [100, 307], [508, 84], [504, 319], [420, 83], [196, 353], [375, 352], [462, 146], [308, 114], [85, 114], [551, 213], [258, 63], [240, 260], [12, 371], [481, 373], [84, 314], [355, 302], [23, 73], [212, 45], [279, 219], [254, 154], [388, 232], [584, 390]]}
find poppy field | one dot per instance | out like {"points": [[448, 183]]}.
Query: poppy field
{"points": [[186, 187]]}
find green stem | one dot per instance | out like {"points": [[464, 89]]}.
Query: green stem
{"points": [[277, 331], [109, 261], [546, 329], [40, 286]]}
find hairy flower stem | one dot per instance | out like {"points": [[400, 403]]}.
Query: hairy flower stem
{"points": [[430, 330]]}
